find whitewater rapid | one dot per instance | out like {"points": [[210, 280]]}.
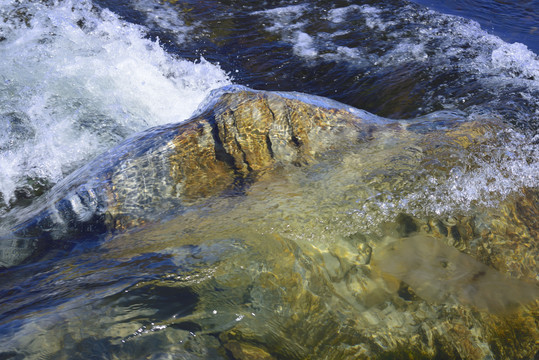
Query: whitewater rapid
{"points": [[75, 80]]}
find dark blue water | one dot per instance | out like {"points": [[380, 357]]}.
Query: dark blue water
{"points": [[395, 58], [513, 21]]}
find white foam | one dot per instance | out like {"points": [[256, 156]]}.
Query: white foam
{"points": [[459, 43], [373, 19], [516, 59], [370, 14], [284, 18], [345, 53], [404, 52], [166, 16], [338, 15], [289, 22], [486, 179], [501, 172], [82, 80], [304, 45]]}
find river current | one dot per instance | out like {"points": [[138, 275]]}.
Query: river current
{"points": [[79, 77]]}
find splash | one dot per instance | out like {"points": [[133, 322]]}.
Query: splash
{"points": [[74, 81]]}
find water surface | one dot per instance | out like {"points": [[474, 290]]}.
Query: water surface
{"points": [[283, 267]]}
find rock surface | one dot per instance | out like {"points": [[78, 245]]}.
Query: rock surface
{"points": [[237, 136], [307, 278]]}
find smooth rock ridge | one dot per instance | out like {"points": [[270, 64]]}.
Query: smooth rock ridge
{"points": [[236, 136]]}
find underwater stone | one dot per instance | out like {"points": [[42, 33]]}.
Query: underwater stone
{"points": [[243, 351], [299, 298], [441, 274], [234, 139]]}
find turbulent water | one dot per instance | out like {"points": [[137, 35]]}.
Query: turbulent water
{"points": [[79, 77]]}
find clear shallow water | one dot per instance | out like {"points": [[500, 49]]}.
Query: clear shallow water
{"points": [[76, 80]]}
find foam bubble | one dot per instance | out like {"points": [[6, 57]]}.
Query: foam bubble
{"points": [[287, 21], [501, 172], [458, 64], [454, 181], [373, 19], [284, 18], [516, 59], [77, 80], [338, 15], [304, 46], [166, 16], [404, 52]]}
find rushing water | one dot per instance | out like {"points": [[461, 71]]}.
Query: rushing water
{"points": [[79, 77]]}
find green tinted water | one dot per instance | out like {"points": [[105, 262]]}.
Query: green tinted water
{"points": [[285, 270]]}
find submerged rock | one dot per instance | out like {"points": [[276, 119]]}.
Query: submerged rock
{"points": [[440, 273], [285, 176], [237, 136]]}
